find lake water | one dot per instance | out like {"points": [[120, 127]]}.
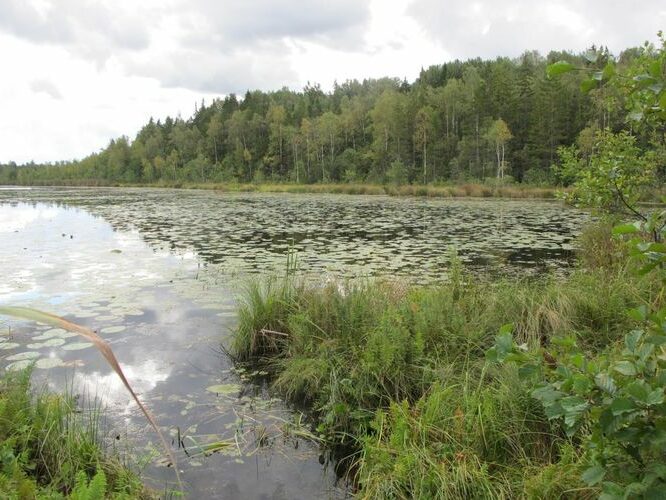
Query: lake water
{"points": [[158, 272]]}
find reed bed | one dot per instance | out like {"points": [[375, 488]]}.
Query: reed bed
{"points": [[397, 379]]}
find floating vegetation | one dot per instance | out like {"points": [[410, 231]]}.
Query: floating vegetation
{"points": [[47, 363], [157, 287], [77, 346], [100, 344], [224, 388], [368, 235], [114, 329], [22, 355], [54, 342]]}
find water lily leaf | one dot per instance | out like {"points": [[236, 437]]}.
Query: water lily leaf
{"points": [[76, 346], [54, 342], [46, 363], [23, 355], [19, 365], [224, 388], [114, 329]]}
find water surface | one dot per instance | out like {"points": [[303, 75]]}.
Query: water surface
{"points": [[156, 273]]}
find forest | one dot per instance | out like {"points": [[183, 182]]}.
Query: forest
{"points": [[459, 121]]}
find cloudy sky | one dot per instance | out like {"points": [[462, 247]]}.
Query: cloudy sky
{"points": [[76, 73]]}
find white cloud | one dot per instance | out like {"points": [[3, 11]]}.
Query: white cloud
{"points": [[78, 72], [487, 28]]}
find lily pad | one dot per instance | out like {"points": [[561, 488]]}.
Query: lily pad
{"points": [[77, 346], [53, 332], [19, 365], [8, 345], [47, 363], [21, 356], [59, 334], [54, 342], [224, 388], [114, 329]]}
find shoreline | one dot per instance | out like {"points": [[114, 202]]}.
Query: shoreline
{"points": [[468, 190]]}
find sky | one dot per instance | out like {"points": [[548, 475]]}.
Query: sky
{"points": [[77, 73]]}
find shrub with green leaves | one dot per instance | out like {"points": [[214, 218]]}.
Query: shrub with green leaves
{"points": [[613, 402], [612, 178]]}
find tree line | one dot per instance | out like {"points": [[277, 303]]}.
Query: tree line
{"points": [[462, 120]]}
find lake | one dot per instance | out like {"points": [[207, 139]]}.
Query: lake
{"points": [[158, 274]]}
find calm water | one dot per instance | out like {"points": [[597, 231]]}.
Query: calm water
{"points": [[157, 272]]}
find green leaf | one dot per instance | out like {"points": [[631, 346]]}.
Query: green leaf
{"points": [[655, 397], [621, 406], [546, 394], [574, 404], [528, 370], [609, 423], [609, 71], [559, 68], [644, 80], [625, 368], [611, 491], [587, 85], [625, 229], [632, 338], [593, 475], [506, 329], [655, 69], [656, 340], [639, 390], [553, 410], [605, 382], [638, 314], [581, 384]]}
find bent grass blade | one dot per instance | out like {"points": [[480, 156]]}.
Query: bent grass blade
{"points": [[106, 351]]}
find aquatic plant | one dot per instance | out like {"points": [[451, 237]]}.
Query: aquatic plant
{"points": [[50, 446], [106, 351], [397, 378]]}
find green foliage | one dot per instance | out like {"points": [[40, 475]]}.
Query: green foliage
{"points": [[49, 448], [397, 173], [397, 372], [436, 127], [614, 401], [612, 177], [93, 490]]}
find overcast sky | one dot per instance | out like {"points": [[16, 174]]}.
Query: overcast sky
{"points": [[76, 73]]}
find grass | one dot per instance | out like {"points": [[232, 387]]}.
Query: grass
{"points": [[109, 356], [464, 190], [396, 375], [52, 448]]}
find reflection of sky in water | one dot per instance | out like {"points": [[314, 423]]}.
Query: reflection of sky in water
{"points": [[164, 316], [338, 235], [153, 272]]}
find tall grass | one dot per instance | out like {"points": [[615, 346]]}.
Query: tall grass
{"points": [[105, 350], [49, 445], [398, 374]]}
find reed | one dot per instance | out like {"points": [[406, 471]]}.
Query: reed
{"points": [[106, 351]]}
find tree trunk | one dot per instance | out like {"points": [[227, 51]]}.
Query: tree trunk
{"points": [[425, 161]]}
